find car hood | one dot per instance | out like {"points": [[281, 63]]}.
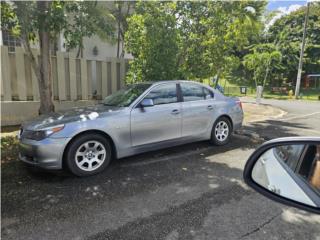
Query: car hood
{"points": [[71, 115]]}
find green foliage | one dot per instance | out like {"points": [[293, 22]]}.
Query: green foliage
{"points": [[30, 20], [152, 38], [9, 19], [287, 34], [262, 60], [190, 39], [76, 19], [86, 19]]}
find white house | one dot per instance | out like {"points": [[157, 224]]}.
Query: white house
{"points": [[94, 47]]}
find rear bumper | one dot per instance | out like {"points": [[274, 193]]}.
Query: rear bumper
{"points": [[237, 126], [46, 154], [237, 121]]}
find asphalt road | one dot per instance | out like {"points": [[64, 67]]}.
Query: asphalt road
{"points": [[193, 191]]}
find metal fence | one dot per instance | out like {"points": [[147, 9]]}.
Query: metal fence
{"points": [[73, 78], [270, 92], [236, 91]]}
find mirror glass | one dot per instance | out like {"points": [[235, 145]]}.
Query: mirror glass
{"points": [[147, 102], [291, 171]]}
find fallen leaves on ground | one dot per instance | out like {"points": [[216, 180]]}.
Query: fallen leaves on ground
{"points": [[9, 149]]}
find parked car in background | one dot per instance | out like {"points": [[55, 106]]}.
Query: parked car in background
{"points": [[138, 118]]}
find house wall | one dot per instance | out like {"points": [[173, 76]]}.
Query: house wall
{"points": [[105, 49]]}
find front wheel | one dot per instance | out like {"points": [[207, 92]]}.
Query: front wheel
{"points": [[221, 131], [88, 154]]}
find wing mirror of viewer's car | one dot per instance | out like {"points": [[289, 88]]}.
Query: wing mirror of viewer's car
{"points": [[287, 170], [147, 102]]}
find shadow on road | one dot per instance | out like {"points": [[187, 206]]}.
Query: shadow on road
{"points": [[176, 191], [270, 129]]}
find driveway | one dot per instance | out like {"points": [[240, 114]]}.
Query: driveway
{"points": [[193, 191]]}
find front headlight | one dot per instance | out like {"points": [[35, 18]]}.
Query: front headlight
{"points": [[39, 135]]}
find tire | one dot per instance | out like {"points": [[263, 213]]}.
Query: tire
{"points": [[88, 154], [221, 131]]}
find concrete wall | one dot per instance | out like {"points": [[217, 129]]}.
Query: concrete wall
{"points": [[75, 82], [73, 78], [16, 112]]}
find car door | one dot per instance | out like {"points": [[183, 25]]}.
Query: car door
{"points": [[197, 109], [159, 122]]}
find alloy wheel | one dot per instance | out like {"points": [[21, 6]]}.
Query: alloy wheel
{"points": [[90, 155], [221, 131]]}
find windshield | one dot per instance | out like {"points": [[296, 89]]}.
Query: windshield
{"points": [[126, 96]]}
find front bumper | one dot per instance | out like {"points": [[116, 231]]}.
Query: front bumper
{"points": [[46, 153]]}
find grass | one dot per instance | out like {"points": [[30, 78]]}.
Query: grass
{"points": [[231, 89], [306, 94], [285, 97]]}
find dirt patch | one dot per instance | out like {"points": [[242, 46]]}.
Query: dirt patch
{"points": [[259, 112]]}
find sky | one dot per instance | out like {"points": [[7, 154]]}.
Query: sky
{"points": [[275, 5], [284, 7]]}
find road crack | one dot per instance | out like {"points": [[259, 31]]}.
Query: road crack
{"points": [[260, 226]]}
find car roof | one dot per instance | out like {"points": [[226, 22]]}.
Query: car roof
{"points": [[169, 81]]}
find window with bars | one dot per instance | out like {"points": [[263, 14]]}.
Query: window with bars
{"points": [[11, 41]]}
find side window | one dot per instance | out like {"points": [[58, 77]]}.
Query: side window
{"points": [[207, 93], [194, 92], [164, 94]]}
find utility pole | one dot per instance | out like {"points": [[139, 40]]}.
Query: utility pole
{"points": [[302, 52]]}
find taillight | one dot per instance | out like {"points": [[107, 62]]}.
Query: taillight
{"points": [[239, 103]]}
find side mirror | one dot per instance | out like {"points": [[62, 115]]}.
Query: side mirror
{"points": [[287, 170], [147, 102]]}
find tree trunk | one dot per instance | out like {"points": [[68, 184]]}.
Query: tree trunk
{"points": [[119, 30], [118, 44], [45, 80], [122, 48], [80, 49]]}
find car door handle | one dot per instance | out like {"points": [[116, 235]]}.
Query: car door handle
{"points": [[175, 111], [210, 107]]}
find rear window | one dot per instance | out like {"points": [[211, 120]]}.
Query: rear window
{"points": [[195, 92]]}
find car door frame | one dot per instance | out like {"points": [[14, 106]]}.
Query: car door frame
{"points": [[201, 136], [137, 102]]}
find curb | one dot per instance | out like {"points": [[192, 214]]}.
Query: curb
{"points": [[264, 118]]}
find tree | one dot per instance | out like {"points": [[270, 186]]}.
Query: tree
{"points": [[152, 39], [31, 20], [192, 61], [121, 10], [287, 32], [84, 20], [261, 61], [194, 40], [42, 21], [231, 28]]}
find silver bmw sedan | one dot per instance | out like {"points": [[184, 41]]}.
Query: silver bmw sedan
{"points": [[138, 118]]}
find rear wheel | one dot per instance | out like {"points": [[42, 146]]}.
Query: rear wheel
{"points": [[221, 131], [88, 154]]}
